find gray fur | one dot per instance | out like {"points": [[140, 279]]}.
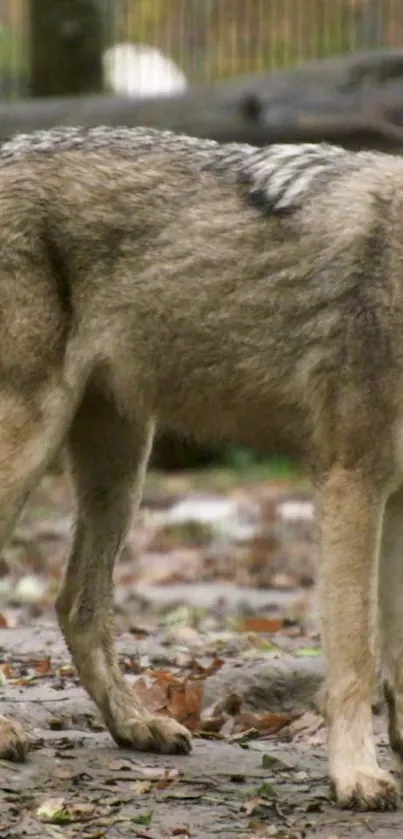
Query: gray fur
{"points": [[280, 175]]}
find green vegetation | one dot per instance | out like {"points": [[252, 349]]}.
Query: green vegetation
{"points": [[246, 462], [13, 62]]}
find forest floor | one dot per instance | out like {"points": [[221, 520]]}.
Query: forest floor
{"points": [[217, 626]]}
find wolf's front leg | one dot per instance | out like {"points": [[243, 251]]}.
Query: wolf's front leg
{"points": [[350, 516]]}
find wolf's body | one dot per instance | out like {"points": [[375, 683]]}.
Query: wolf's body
{"points": [[225, 292]]}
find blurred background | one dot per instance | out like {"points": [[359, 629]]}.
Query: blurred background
{"points": [[146, 46]]}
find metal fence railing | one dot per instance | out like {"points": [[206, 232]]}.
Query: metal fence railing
{"points": [[220, 38], [202, 40]]}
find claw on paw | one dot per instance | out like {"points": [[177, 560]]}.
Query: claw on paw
{"points": [[367, 791]]}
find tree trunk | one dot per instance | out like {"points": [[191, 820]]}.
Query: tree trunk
{"points": [[66, 47]]}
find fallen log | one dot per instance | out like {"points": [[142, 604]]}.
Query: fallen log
{"points": [[354, 100]]}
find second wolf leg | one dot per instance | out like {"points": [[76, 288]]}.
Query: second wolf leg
{"points": [[391, 617], [350, 512], [108, 456], [31, 431]]}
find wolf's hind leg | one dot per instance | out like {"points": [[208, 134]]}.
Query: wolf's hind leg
{"points": [[391, 618], [108, 456]]}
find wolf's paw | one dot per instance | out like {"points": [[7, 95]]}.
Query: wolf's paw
{"points": [[153, 734], [366, 790], [14, 742]]}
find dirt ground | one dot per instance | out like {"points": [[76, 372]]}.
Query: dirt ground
{"points": [[222, 634], [88, 788]]}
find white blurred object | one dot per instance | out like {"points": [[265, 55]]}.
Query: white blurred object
{"points": [[139, 70], [228, 519], [293, 511], [29, 589]]}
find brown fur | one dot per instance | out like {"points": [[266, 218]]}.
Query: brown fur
{"points": [[151, 280]]}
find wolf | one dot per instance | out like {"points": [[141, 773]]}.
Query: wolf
{"points": [[227, 293]]}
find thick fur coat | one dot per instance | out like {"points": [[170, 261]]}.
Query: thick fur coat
{"points": [[229, 293]]}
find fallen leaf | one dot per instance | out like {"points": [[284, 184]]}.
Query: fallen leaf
{"points": [[273, 762], [267, 791], [213, 724], [59, 811], [141, 787], [80, 811], [232, 704], [264, 723], [67, 671], [8, 670], [41, 665], [162, 692], [143, 818], [168, 780], [206, 667], [184, 703], [218, 715], [309, 651], [54, 810], [150, 693], [261, 624], [255, 804], [152, 773]]}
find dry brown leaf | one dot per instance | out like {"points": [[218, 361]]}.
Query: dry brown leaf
{"points": [[232, 704], [67, 671], [202, 668], [213, 725], [41, 665], [184, 702], [163, 677], [163, 692], [227, 718], [261, 624], [264, 723], [151, 693], [253, 804]]}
